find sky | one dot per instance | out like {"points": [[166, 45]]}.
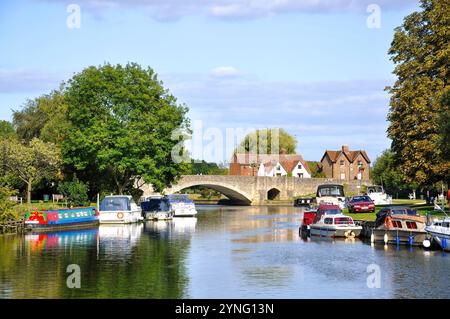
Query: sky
{"points": [[316, 68]]}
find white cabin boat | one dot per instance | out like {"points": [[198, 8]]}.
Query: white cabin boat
{"points": [[378, 196], [119, 209], [337, 225], [440, 232], [181, 205], [156, 208]]}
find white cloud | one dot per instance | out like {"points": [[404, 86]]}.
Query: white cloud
{"points": [[224, 72], [234, 9]]}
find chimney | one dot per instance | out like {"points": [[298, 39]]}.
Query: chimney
{"points": [[345, 148]]}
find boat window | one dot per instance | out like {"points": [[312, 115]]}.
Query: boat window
{"points": [[343, 221], [328, 221], [397, 224], [399, 212], [446, 224], [335, 190], [411, 225], [331, 211], [115, 204]]}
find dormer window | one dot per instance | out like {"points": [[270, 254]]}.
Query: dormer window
{"points": [[299, 166], [342, 162]]}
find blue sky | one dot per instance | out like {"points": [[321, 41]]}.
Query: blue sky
{"points": [[312, 67]]}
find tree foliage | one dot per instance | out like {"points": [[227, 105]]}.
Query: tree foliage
{"points": [[75, 191], [31, 162], [205, 168], [44, 117], [7, 130], [122, 120], [262, 141], [444, 127], [421, 52], [6, 205], [385, 172]]}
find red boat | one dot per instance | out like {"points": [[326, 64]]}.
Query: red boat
{"points": [[312, 216]]}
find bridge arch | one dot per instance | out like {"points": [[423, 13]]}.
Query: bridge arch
{"points": [[273, 193], [236, 195]]}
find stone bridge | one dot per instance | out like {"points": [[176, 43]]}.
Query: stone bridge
{"points": [[255, 190]]}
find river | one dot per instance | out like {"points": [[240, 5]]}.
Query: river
{"points": [[226, 252]]}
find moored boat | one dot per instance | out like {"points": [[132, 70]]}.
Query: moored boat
{"points": [[181, 205], [331, 194], [378, 195], [119, 209], [440, 232], [156, 208], [338, 225], [61, 219], [399, 225]]}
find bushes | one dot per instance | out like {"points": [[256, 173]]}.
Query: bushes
{"points": [[7, 206], [76, 192]]}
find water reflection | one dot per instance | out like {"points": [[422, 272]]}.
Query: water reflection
{"points": [[230, 252]]}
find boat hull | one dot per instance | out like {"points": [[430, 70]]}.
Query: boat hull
{"points": [[344, 232], [125, 217], [403, 237], [58, 227], [158, 215]]}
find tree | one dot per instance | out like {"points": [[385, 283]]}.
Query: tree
{"points": [[422, 57], [44, 117], [6, 204], [30, 163], [205, 168], [444, 127], [7, 130], [122, 121], [385, 172], [263, 140], [75, 191], [316, 169]]}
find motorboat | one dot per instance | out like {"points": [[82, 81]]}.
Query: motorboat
{"points": [[399, 225], [322, 222], [156, 208], [119, 209], [303, 202], [336, 225], [439, 229], [378, 196], [331, 194], [181, 205]]}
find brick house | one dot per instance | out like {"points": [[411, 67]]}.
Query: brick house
{"points": [[345, 164], [269, 165]]}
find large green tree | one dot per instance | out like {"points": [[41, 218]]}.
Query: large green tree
{"points": [[444, 127], [268, 141], [29, 162], [122, 123], [421, 53]]}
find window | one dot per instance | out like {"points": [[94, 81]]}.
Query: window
{"points": [[360, 164], [397, 223], [342, 175], [343, 221], [299, 166], [342, 162], [446, 224], [411, 225], [328, 221], [300, 175]]}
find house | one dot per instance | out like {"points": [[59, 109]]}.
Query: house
{"points": [[345, 164], [269, 165]]}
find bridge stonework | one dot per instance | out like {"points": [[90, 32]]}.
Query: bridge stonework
{"points": [[255, 190]]}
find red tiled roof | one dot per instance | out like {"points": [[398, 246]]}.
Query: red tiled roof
{"points": [[351, 155], [288, 161]]}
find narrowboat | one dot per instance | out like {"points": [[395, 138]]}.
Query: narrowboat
{"points": [[119, 209], [303, 202], [61, 219], [399, 225]]}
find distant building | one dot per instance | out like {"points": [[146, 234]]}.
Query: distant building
{"points": [[345, 164], [269, 165]]}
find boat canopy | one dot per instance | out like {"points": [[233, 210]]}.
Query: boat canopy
{"points": [[115, 203], [179, 198], [156, 204], [332, 190]]}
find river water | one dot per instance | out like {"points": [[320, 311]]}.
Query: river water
{"points": [[226, 252]]}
